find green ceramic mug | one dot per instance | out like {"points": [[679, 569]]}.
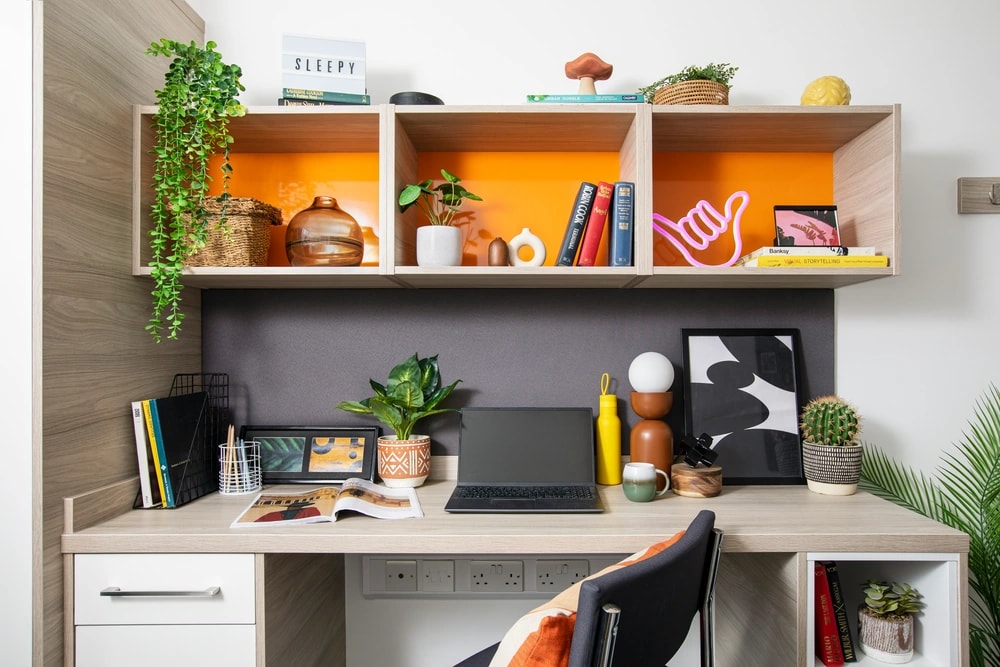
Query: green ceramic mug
{"points": [[639, 481]]}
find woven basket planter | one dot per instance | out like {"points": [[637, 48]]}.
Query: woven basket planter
{"points": [[692, 92], [832, 471], [243, 240]]}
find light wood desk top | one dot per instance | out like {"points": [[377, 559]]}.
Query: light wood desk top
{"points": [[756, 519]]}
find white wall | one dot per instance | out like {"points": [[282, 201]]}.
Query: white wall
{"points": [[15, 334], [914, 352]]}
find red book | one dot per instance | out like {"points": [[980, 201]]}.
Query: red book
{"points": [[596, 223], [827, 635]]}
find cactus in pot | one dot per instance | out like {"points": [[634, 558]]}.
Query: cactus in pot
{"points": [[831, 453]]}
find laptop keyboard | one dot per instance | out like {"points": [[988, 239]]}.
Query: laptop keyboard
{"points": [[538, 492]]}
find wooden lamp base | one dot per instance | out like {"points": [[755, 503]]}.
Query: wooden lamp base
{"points": [[696, 482]]}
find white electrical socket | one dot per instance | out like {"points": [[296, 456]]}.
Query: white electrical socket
{"points": [[401, 576], [437, 576], [496, 575], [557, 575]]}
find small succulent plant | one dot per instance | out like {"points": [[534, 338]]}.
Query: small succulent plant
{"points": [[892, 599], [831, 421]]}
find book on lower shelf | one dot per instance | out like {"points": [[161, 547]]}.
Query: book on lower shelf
{"points": [[295, 102], [621, 224], [810, 250], [840, 611], [600, 98], [582, 205], [325, 503], [593, 231], [818, 262], [828, 647]]}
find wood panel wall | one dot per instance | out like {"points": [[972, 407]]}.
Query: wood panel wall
{"points": [[95, 354]]}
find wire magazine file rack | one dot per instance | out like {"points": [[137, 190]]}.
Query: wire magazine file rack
{"points": [[197, 473]]}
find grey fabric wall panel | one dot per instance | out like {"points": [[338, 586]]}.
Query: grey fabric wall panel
{"points": [[292, 355]]}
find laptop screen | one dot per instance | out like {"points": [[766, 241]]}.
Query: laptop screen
{"points": [[524, 445]]}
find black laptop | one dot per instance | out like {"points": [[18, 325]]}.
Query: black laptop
{"points": [[526, 460]]}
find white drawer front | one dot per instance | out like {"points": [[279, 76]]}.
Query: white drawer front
{"points": [[165, 645], [174, 588]]}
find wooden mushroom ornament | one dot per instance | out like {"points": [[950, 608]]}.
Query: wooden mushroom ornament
{"points": [[588, 68]]}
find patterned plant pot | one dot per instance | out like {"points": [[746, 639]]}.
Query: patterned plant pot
{"points": [[832, 471], [886, 638], [404, 463]]}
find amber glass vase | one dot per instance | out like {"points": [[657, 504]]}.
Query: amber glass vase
{"points": [[324, 235]]}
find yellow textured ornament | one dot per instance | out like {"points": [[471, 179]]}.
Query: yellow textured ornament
{"points": [[827, 91]]}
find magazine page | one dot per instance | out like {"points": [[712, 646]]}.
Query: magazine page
{"points": [[270, 508], [378, 501]]}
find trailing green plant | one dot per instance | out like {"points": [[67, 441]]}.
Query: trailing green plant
{"points": [[413, 391], [719, 72], [191, 123], [831, 421], [439, 203], [892, 599], [964, 494]]}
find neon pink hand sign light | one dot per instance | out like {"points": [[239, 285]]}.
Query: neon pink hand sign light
{"points": [[702, 225]]}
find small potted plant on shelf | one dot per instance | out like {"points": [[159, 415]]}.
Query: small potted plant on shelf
{"points": [[692, 85], [831, 452], [440, 242], [885, 620], [191, 124], [413, 391]]}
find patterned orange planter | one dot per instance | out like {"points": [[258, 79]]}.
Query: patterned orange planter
{"points": [[404, 463]]}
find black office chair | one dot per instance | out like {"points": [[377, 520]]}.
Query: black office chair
{"points": [[639, 615]]}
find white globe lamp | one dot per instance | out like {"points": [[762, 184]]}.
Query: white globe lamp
{"points": [[651, 371]]}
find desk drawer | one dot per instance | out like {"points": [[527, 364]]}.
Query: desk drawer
{"points": [[165, 645], [162, 589]]}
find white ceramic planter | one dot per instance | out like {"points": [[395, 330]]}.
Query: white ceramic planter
{"points": [[404, 463], [439, 245], [831, 471]]}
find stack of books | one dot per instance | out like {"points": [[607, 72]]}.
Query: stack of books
{"points": [[317, 71], [598, 207], [814, 257]]}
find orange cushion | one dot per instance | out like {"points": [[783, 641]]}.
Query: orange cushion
{"points": [[542, 637]]}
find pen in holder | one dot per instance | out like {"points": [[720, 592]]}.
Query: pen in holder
{"points": [[239, 466]]}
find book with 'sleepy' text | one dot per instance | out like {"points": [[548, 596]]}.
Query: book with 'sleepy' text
{"points": [[807, 250], [582, 205], [600, 98], [817, 262], [621, 223], [828, 647], [593, 231], [323, 504], [840, 611]]}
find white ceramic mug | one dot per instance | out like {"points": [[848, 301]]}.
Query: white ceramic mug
{"points": [[639, 481]]}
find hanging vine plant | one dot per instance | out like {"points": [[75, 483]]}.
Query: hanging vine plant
{"points": [[191, 124]]}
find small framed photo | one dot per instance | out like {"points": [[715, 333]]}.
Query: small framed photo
{"points": [[314, 454], [806, 225], [742, 389]]}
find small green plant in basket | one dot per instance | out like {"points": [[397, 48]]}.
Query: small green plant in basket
{"points": [[721, 73]]}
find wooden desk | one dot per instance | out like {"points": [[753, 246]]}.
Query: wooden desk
{"points": [[773, 534]]}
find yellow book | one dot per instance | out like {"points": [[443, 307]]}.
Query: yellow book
{"points": [[151, 432], [812, 261]]}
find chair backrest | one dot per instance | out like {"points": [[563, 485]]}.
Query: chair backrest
{"points": [[657, 598]]}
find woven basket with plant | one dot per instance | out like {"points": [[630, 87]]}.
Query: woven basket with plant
{"points": [[243, 239], [692, 85]]}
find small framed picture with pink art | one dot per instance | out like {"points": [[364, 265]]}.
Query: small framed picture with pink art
{"points": [[806, 225]]}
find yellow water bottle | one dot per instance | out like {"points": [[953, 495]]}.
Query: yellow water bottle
{"points": [[609, 437]]}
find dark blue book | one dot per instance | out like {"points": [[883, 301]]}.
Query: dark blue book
{"points": [[622, 222], [176, 420], [582, 206]]}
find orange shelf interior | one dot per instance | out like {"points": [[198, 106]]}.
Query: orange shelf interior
{"points": [[682, 180]]}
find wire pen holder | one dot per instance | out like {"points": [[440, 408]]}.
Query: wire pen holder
{"points": [[239, 467]]}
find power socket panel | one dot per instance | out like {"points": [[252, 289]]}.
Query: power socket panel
{"points": [[493, 576], [557, 575], [473, 576]]}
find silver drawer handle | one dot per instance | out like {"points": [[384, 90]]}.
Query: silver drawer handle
{"points": [[115, 592]]}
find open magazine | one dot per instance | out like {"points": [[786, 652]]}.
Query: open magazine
{"points": [[271, 508]]}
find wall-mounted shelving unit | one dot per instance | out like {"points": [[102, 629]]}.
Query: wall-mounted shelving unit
{"points": [[528, 157]]}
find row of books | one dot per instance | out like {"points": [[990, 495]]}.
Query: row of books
{"points": [[596, 208], [813, 256], [834, 641], [166, 433]]}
